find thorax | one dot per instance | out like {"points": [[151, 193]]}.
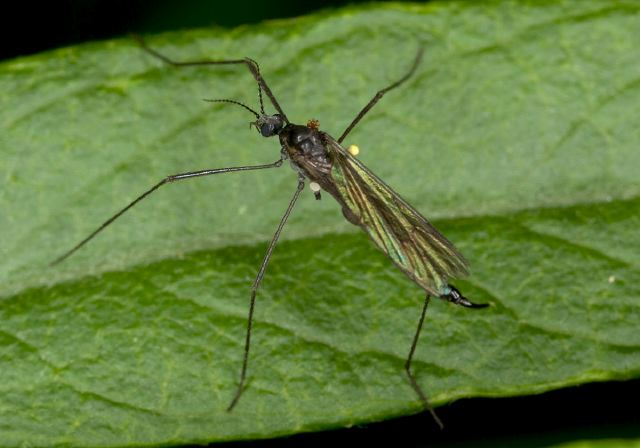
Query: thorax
{"points": [[306, 148]]}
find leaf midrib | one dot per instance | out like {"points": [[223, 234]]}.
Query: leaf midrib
{"points": [[511, 217]]}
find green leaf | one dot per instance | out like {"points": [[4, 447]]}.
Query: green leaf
{"points": [[518, 137]]}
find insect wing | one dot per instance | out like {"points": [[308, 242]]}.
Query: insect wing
{"points": [[411, 242]]}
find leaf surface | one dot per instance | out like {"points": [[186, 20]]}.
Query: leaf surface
{"points": [[518, 137]]}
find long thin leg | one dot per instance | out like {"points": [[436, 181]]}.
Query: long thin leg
{"points": [[407, 366], [254, 289], [166, 180], [381, 93], [252, 65]]}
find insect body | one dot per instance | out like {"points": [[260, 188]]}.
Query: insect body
{"points": [[411, 242], [395, 227]]}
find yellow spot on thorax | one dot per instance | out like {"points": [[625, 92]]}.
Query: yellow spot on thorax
{"points": [[353, 150]]}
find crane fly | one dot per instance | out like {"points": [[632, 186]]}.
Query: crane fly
{"points": [[394, 226]]}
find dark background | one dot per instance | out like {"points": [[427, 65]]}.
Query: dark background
{"points": [[605, 410], [33, 26]]}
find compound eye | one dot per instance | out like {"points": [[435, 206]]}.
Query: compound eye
{"points": [[267, 129]]}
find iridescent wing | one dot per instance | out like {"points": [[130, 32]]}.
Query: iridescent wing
{"points": [[402, 233]]}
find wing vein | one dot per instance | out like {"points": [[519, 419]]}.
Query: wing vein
{"points": [[400, 231]]}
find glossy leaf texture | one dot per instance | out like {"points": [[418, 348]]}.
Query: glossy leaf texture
{"points": [[518, 137]]}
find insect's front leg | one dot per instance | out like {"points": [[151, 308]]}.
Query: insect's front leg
{"points": [[252, 65]]}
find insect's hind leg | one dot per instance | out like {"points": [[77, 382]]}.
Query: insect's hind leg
{"points": [[252, 65], [407, 366], [381, 93], [452, 295]]}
